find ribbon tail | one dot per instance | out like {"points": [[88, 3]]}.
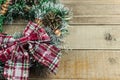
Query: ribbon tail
{"points": [[5, 55], [17, 68], [46, 54], [7, 45]]}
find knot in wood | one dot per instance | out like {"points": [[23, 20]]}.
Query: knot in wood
{"points": [[108, 37]]}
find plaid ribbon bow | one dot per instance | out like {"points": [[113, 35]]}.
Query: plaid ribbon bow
{"points": [[16, 56]]}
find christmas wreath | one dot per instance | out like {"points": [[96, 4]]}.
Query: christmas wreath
{"points": [[38, 46]]}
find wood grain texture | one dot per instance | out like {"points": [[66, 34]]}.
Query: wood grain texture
{"points": [[94, 11], [91, 1], [89, 65], [93, 37], [95, 19], [84, 36], [80, 8]]}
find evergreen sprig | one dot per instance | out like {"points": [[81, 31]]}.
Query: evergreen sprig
{"points": [[1, 16], [60, 10]]}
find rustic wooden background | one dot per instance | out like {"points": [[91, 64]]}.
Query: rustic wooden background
{"points": [[94, 39]]}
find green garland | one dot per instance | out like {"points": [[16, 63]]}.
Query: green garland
{"points": [[57, 9], [51, 12], [41, 11], [23, 10], [1, 16], [2, 1], [1, 22]]}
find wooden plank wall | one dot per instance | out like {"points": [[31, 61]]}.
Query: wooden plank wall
{"points": [[94, 39]]}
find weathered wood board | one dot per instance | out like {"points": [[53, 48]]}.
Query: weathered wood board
{"points": [[85, 36], [94, 11], [89, 65]]}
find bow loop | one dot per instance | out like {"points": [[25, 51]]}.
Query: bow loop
{"points": [[35, 31], [46, 54], [6, 41]]}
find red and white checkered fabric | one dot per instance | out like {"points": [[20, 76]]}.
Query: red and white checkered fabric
{"points": [[17, 57]]}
